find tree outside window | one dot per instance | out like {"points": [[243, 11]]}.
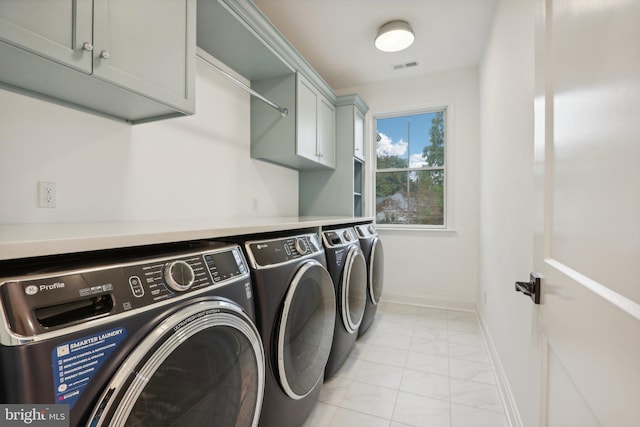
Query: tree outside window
{"points": [[410, 169]]}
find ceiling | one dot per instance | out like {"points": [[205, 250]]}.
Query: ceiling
{"points": [[336, 36]]}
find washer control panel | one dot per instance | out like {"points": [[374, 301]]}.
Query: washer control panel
{"points": [[339, 237], [179, 275], [267, 253], [366, 231], [38, 304]]}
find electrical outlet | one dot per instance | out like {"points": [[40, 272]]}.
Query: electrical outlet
{"points": [[46, 194]]}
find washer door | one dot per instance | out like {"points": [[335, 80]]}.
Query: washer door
{"points": [[203, 365], [305, 330], [376, 271], [353, 289]]}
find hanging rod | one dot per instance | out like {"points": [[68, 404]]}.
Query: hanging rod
{"points": [[283, 111]]}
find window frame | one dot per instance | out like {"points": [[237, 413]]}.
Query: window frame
{"points": [[447, 108]]}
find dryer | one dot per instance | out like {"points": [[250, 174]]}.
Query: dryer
{"points": [[348, 270], [295, 307], [372, 248], [154, 340]]}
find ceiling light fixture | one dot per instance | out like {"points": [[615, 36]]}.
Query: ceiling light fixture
{"points": [[394, 36]]}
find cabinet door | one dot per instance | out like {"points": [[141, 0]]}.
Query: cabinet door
{"points": [[358, 135], [147, 46], [306, 120], [326, 143], [54, 29]]}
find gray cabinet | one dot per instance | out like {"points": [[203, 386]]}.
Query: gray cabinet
{"points": [[352, 112], [55, 29], [149, 45], [239, 35], [326, 135], [340, 191], [358, 135], [315, 124], [130, 60], [305, 138], [306, 112]]}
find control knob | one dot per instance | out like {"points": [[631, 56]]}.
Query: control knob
{"points": [[301, 246], [179, 275], [347, 236], [371, 229]]}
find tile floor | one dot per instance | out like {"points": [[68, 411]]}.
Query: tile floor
{"points": [[415, 366]]}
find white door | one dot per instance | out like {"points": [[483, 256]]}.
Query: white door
{"points": [[588, 225]]}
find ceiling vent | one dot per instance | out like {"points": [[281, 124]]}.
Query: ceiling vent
{"points": [[406, 65]]}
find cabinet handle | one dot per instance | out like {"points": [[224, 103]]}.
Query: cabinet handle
{"points": [[105, 54], [87, 46]]}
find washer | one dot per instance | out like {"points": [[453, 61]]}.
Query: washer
{"points": [[295, 309], [167, 339], [372, 248], [348, 270]]}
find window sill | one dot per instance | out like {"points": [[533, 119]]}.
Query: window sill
{"points": [[387, 229]]}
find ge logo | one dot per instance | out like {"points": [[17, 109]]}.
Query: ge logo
{"points": [[31, 290]]}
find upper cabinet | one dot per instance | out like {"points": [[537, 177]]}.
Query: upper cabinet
{"points": [[133, 61], [339, 191], [351, 111], [147, 46], [303, 139], [236, 33], [239, 35], [358, 134], [60, 30], [326, 132], [315, 126]]}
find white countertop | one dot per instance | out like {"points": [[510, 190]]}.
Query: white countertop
{"points": [[30, 240]]}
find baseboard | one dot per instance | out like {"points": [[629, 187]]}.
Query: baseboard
{"points": [[429, 302], [513, 415]]}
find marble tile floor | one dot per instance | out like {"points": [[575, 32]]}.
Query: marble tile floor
{"points": [[415, 366]]}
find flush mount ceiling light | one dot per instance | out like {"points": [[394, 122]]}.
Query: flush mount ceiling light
{"points": [[394, 36]]}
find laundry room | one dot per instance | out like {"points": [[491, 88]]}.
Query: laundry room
{"points": [[149, 202]]}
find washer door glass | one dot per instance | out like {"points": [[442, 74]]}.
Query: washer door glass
{"points": [[305, 331], [376, 271], [202, 366], [353, 289]]}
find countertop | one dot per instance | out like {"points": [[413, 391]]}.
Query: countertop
{"points": [[31, 240]]}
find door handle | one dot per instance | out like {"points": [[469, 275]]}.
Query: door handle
{"points": [[532, 287]]}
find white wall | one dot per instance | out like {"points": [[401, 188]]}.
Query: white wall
{"points": [[436, 267], [195, 167], [506, 193]]}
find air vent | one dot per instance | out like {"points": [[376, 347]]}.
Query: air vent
{"points": [[405, 65]]}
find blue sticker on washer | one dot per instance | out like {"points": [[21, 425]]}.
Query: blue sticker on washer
{"points": [[75, 362]]}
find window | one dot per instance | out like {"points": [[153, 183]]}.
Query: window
{"points": [[410, 169]]}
